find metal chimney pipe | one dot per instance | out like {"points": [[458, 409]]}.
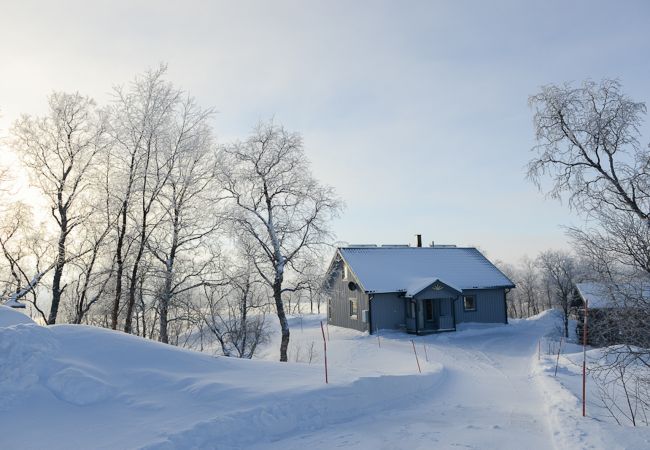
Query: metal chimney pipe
{"points": [[419, 239]]}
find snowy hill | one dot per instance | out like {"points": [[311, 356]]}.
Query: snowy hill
{"points": [[69, 386]]}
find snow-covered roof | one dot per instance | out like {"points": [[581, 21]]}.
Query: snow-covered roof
{"points": [[609, 295], [406, 269]]}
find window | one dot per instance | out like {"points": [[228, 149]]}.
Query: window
{"points": [[345, 271], [353, 308], [469, 302]]}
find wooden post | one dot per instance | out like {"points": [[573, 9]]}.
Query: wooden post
{"points": [[584, 361], [557, 361], [324, 350], [416, 356]]}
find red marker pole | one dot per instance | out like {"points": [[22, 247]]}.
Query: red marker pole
{"points": [[584, 361], [416, 356], [557, 361], [324, 350]]}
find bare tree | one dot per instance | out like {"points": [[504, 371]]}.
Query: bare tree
{"points": [[588, 144], [141, 119], [277, 206], [234, 312], [59, 150], [188, 202], [25, 253], [559, 268]]}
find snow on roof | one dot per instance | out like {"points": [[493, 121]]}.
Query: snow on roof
{"points": [[609, 295], [395, 269]]}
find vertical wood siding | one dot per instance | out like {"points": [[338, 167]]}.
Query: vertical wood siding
{"points": [[338, 306], [388, 312], [490, 307]]}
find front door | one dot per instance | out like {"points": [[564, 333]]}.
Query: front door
{"points": [[430, 314], [446, 314]]}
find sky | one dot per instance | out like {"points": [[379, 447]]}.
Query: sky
{"points": [[416, 112]]}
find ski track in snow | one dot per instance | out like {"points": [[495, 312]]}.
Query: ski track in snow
{"points": [[486, 400]]}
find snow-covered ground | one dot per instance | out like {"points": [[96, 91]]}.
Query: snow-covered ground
{"points": [[483, 387]]}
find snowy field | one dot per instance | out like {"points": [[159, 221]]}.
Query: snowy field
{"points": [[483, 387]]}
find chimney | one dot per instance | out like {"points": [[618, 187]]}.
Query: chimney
{"points": [[419, 240]]}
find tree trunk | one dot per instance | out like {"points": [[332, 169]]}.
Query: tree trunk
{"points": [[128, 321], [282, 317], [58, 273], [120, 269]]}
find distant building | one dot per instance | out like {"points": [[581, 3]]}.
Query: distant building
{"points": [[416, 289], [614, 312]]}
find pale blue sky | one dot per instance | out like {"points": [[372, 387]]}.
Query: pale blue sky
{"points": [[415, 111]]}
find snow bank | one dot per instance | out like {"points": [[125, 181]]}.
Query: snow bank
{"points": [[76, 386], [9, 317], [563, 395]]}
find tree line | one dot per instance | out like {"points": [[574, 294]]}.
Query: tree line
{"points": [[146, 224]]}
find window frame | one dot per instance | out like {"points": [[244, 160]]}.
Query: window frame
{"points": [[473, 297], [353, 301]]}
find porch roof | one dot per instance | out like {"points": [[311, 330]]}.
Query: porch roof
{"points": [[417, 285]]}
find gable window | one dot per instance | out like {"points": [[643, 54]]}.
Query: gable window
{"points": [[469, 302], [345, 271], [353, 308]]}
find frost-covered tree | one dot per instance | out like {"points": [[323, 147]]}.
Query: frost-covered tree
{"points": [[277, 207], [183, 241], [141, 120], [59, 151], [589, 147], [560, 271]]}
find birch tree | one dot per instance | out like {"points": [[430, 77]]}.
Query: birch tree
{"points": [[560, 271], [589, 147], [59, 150], [277, 207], [188, 201], [141, 117]]}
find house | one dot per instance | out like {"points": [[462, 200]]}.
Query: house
{"points": [[417, 289], [615, 311]]}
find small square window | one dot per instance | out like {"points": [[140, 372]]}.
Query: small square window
{"points": [[469, 302], [353, 308]]}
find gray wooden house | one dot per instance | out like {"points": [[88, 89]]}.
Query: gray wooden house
{"points": [[416, 289]]}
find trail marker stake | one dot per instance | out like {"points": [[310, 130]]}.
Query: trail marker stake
{"points": [[584, 361], [557, 361], [416, 356], [324, 350]]}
